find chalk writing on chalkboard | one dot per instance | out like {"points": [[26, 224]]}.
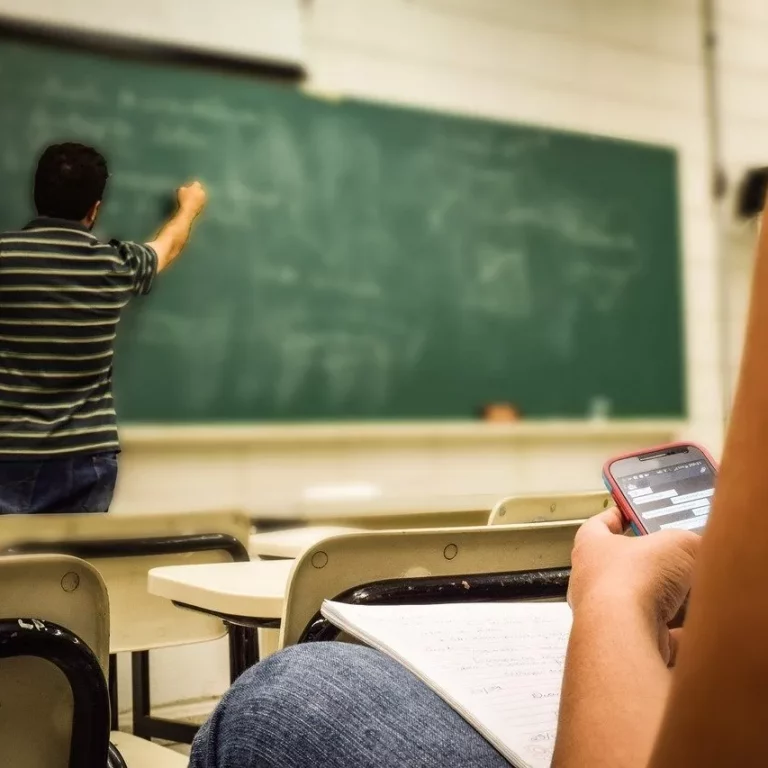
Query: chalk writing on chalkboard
{"points": [[363, 261]]}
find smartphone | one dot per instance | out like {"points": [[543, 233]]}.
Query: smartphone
{"points": [[666, 487]]}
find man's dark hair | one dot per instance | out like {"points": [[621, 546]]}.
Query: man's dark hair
{"points": [[69, 180]]}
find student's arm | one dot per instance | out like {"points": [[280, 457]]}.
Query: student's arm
{"points": [[624, 592], [174, 234], [718, 707]]}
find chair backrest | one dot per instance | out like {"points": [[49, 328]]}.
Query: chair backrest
{"points": [[36, 702], [340, 563], [123, 548], [548, 508], [401, 513]]}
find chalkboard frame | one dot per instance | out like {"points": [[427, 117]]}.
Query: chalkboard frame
{"points": [[136, 49], [131, 55]]}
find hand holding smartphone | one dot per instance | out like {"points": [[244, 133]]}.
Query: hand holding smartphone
{"points": [[663, 488]]}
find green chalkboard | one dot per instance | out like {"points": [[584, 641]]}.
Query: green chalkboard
{"points": [[361, 261]]}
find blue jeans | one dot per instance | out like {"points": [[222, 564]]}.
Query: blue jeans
{"points": [[77, 484], [335, 705]]}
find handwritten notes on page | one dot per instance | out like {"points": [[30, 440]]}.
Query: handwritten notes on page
{"points": [[500, 665]]}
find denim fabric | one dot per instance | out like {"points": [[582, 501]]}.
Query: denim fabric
{"points": [[328, 705], [77, 484]]}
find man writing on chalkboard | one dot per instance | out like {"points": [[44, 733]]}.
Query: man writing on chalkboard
{"points": [[61, 294]]}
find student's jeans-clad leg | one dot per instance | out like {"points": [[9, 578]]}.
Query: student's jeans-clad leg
{"points": [[77, 484], [336, 705]]}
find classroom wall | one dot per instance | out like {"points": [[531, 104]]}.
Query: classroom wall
{"points": [[743, 66], [613, 67], [276, 37], [618, 68], [621, 68]]}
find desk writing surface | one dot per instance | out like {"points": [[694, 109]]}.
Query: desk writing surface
{"points": [[292, 542], [255, 589]]}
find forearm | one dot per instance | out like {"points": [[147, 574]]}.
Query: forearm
{"points": [[718, 694], [173, 237], [614, 689], [744, 459]]}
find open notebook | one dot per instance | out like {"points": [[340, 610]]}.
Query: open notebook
{"points": [[500, 665]]}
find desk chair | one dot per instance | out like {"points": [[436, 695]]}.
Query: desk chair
{"points": [[289, 543], [549, 507], [488, 563], [394, 512], [287, 594], [408, 517], [292, 542], [54, 645], [123, 549], [524, 509]]}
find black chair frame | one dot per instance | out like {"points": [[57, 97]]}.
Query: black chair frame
{"points": [[145, 724], [89, 743], [545, 584]]}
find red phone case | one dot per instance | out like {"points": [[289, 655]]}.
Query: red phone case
{"points": [[621, 502]]}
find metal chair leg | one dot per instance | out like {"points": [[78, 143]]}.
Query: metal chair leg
{"points": [[114, 758], [89, 744], [243, 649], [144, 724], [114, 708]]}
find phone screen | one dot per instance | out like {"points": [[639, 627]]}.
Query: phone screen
{"points": [[677, 495]]}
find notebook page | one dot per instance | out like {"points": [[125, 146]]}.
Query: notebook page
{"points": [[500, 665]]}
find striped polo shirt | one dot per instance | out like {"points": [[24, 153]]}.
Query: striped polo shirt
{"points": [[61, 295]]}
